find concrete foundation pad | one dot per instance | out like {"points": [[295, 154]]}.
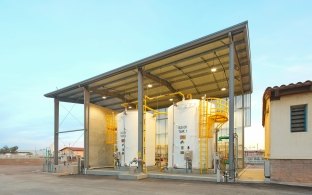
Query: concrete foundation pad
{"points": [[128, 176], [184, 171], [212, 178], [65, 169], [103, 172]]}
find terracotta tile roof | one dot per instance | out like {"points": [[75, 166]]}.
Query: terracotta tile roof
{"points": [[274, 93], [290, 86], [73, 149]]}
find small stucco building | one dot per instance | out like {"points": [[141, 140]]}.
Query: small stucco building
{"points": [[72, 151], [287, 119]]}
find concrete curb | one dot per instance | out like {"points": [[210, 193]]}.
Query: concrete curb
{"points": [[181, 177], [126, 175], [292, 184]]}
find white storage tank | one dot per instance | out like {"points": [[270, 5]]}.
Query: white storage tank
{"points": [[127, 137], [183, 126]]}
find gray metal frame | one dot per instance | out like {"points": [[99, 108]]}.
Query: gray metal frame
{"points": [[86, 127], [170, 82], [171, 52], [56, 129], [140, 120], [231, 111]]}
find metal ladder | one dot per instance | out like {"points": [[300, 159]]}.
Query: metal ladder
{"points": [[144, 142], [203, 136]]}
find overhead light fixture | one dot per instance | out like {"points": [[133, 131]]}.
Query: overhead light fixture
{"points": [[213, 69], [223, 89], [149, 85], [129, 107], [104, 97], [170, 99]]}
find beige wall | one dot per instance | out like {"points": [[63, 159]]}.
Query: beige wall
{"points": [[283, 143], [71, 152], [100, 154], [78, 153]]}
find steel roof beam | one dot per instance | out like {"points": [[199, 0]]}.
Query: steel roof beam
{"points": [[211, 93], [239, 67], [215, 53], [191, 72], [189, 77], [160, 74], [71, 100], [178, 80], [105, 92], [159, 80], [117, 80], [236, 29], [182, 89], [213, 74], [198, 63], [223, 47], [178, 61]]}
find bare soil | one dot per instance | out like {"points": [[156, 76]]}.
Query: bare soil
{"points": [[22, 161]]}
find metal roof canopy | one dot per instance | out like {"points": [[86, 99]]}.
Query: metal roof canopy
{"points": [[185, 68]]}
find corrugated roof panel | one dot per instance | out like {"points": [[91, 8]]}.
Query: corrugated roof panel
{"points": [[184, 68]]}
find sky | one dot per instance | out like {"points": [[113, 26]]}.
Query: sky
{"points": [[46, 45]]}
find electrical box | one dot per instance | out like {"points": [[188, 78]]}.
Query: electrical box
{"points": [[216, 162], [188, 155], [267, 169]]}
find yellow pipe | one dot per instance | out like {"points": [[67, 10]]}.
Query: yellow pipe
{"points": [[155, 112], [165, 95], [148, 108], [125, 105]]}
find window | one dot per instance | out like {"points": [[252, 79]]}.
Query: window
{"points": [[298, 118]]}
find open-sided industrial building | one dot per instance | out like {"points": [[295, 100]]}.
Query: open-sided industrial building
{"points": [[217, 65]]}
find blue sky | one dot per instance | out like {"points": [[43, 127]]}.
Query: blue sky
{"points": [[46, 45]]}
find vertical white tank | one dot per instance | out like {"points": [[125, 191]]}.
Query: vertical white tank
{"points": [[127, 137], [183, 124]]}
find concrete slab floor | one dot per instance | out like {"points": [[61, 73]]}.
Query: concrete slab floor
{"points": [[252, 173], [29, 180]]}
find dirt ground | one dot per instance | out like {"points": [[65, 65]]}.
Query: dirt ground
{"points": [[21, 161], [21, 179]]}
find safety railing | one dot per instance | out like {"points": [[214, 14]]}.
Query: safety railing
{"points": [[219, 110]]}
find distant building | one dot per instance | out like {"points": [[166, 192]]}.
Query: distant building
{"points": [[254, 156], [16, 155], [72, 151], [287, 118]]}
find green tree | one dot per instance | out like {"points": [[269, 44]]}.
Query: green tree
{"points": [[6, 149], [14, 149]]}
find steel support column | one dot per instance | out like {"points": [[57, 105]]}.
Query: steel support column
{"points": [[140, 119], [243, 128], [86, 127], [231, 110], [56, 129]]}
